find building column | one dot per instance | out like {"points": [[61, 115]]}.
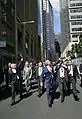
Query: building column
{"points": [[16, 38], [23, 39]]}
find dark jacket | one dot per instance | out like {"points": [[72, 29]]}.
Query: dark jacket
{"points": [[48, 76], [80, 68], [66, 71]]}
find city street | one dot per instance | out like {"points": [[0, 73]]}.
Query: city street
{"points": [[33, 107]]}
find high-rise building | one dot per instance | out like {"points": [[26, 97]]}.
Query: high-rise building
{"points": [[27, 11], [71, 22], [47, 28], [17, 34], [7, 43]]}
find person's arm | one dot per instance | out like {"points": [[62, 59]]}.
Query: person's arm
{"points": [[57, 67], [56, 62], [24, 75], [30, 73], [41, 77]]}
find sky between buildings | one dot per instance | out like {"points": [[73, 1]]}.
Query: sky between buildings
{"points": [[56, 10]]}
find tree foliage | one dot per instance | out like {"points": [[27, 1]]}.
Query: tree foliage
{"points": [[76, 48]]}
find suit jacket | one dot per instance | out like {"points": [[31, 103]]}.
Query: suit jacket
{"points": [[13, 76], [75, 71], [80, 68], [66, 71], [48, 76], [27, 73]]}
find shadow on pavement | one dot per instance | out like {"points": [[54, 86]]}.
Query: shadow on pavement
{"points": [[5, 93]]}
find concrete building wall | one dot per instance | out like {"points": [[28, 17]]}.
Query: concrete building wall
{"points": [[75, 19], [27, 11], [64, 18], [7, 53], [71, 22]]}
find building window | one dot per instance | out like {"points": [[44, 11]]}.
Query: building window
{"points": [[74, 36], [76, 29], [76, 17], [75, 10], [73, 0], [76, 23], [75, 4]]}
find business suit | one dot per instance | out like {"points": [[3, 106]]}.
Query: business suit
{"points": [[80, 70], [40, 68], [27, 74], [14, 84], [62, 80], [48, 82], [73, 80]]}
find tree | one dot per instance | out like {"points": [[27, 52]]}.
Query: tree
{"points": [[68, 53], [80, 38]]}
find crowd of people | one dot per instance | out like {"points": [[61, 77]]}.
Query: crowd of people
{"points": [[49, 75]]}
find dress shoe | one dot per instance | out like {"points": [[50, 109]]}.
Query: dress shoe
{"points": [[76, 98], [12, 103], [62, 100], [50, 105]]}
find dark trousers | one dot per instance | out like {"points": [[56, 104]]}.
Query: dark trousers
{"points": [[62, 88], [81, 79], [39, 87], [73, 82], [15, 88], [49, 94]]}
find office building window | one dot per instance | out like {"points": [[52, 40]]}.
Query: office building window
{"points": [[74, 35], [75, 10], [76, 17], [75, 4], [76, 29], [76, 23], [73, 0]]}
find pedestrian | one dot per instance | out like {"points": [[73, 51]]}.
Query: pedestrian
{"points": [[62, 77], [14, 83], [47, 71], [72, 78], [27, 74], [80, 71], [40, 68]]}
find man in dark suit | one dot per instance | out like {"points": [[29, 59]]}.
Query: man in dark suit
{"points": [[47, 71], [80, 70], [20, 65], [72, 79], [62, 77]]}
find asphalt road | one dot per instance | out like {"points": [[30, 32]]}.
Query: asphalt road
{"points": [[32, 107]]}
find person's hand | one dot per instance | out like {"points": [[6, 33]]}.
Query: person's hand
{"points": [[17, 77], [41, 84], [59, 58]]}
